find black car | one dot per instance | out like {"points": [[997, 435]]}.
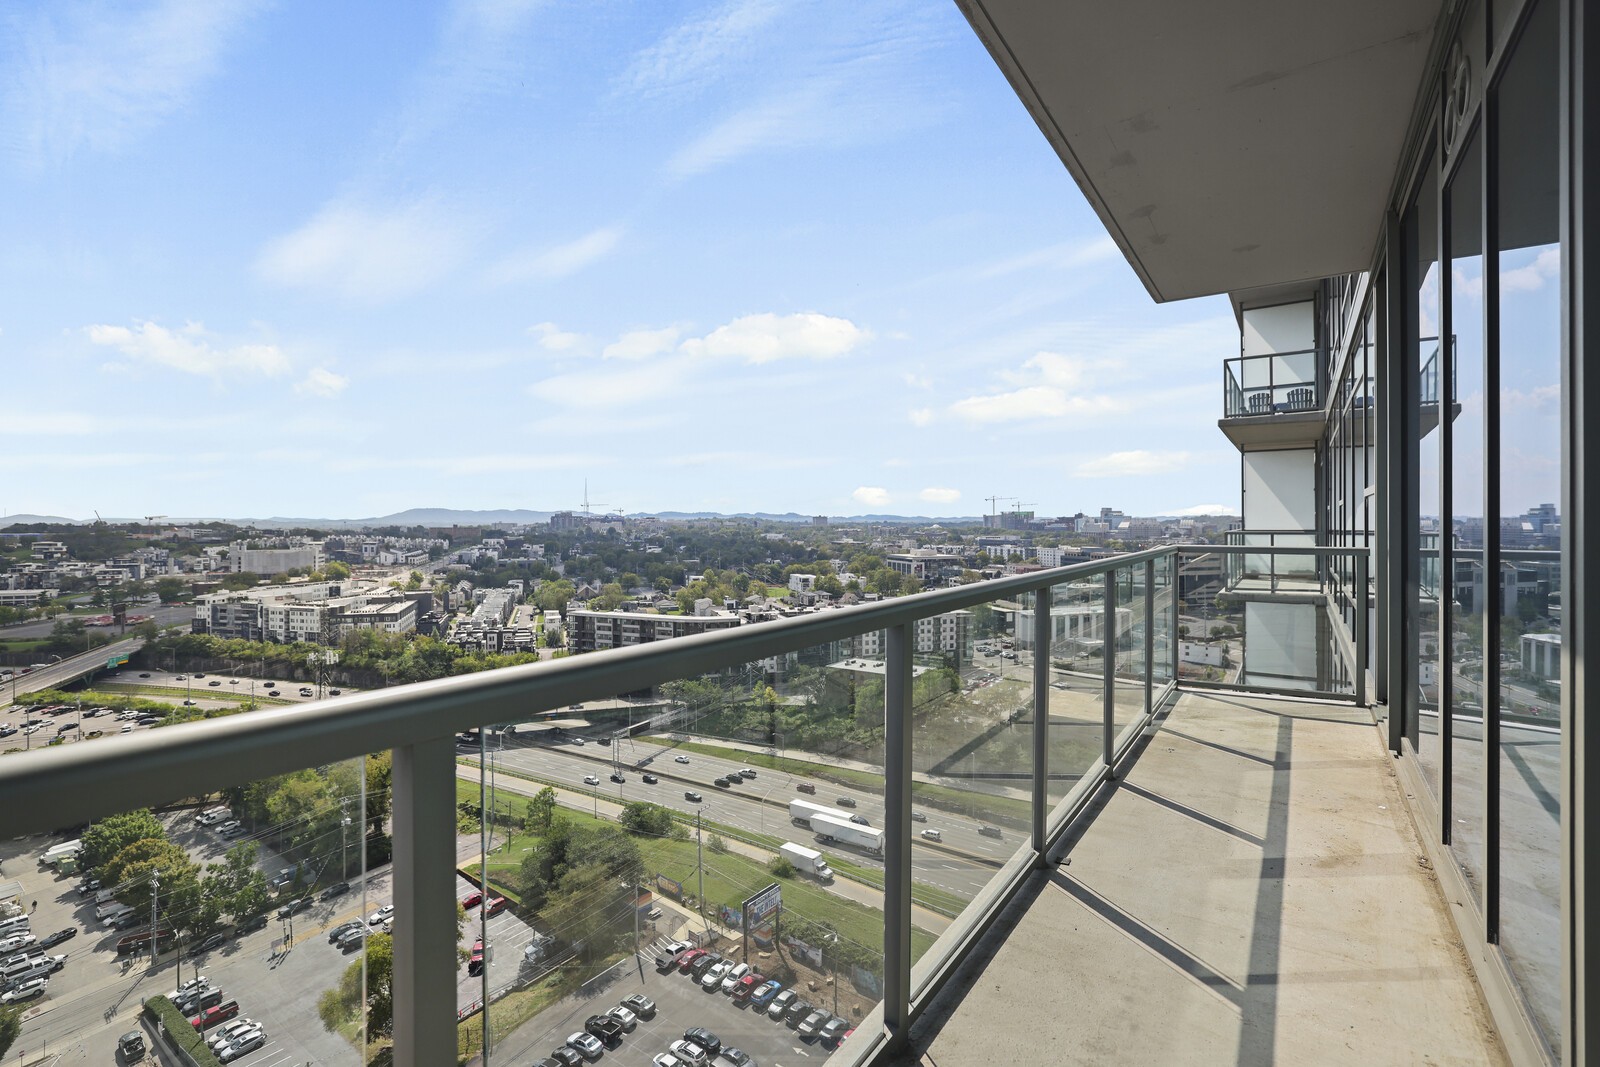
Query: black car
{"points": [[615, 777], [214, 941], [846, 802], [691, 796], [650, 779], [860, 820], [294, 907], [797, 1011], [721, 783], [566, 1057], [344, 928], [704, 1038], [332, 891], [59, 936], [253, 922], [989, 831], [704, 964], [604, 1027]]}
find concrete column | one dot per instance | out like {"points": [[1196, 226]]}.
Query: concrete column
{"points": [[425, 962]]}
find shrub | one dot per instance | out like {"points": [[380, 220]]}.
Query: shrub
{"points": [[180, 1031]]}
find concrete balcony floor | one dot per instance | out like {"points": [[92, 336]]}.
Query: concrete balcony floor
{"points": [[1253, 892]]}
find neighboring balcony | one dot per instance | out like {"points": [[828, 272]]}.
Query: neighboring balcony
{"points": [[1273, 400]]}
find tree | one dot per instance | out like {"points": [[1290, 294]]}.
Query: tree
{"points": [[541, 810], [338, 1005], [336, 571], [643, 817], [236, 886], [109, 836], [180, 898], [10, 1026]]}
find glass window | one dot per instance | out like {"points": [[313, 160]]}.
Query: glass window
{"points": [[1529, 631], [1463, 527], [1422, 564]]}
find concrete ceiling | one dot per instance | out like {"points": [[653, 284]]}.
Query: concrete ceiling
{"points": [[1225, 144]]}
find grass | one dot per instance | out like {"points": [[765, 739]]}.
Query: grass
{"points": [[516, 1008], [729, 877], [1006, 809], [166, 692]]}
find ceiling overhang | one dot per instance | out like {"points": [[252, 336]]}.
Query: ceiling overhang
{"points": [[1225, 145]]}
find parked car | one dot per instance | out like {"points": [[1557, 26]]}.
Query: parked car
{"points": [[690, 958], [763, 994], [351, 940], [59, 936], [231, 828], [294, 907], [797, 1011], [689, 1053], [731, 978], [812, 1023], [704, 1038], [380, 915], [711, 977], [780, 1003], [246, 1042], [566, 1057], [747, 985], [472, 899], [33, 987], [494, 906], [640, 1005], [217, 1013], [343, 928], [734, 1058], [228, 1031], [629, 1021], [607, 1028], [833, 1030], [586, 1045], [131, 1046]]}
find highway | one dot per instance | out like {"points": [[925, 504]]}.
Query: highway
{"points": [[67, 670]]}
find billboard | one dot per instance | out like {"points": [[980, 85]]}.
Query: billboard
{"points": [[669, 888], [760, 910]]}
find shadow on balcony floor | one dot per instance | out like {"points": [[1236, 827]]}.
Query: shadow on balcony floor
{"points": [[1252, 893]]}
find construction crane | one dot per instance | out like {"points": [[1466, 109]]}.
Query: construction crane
{"points": [[153, 518], [993, 500]]}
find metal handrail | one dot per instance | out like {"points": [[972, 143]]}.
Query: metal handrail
{"points": [[1275, 398]]}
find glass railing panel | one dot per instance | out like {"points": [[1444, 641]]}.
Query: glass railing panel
{"points": [[626, 831], [1077, 674], [1128, 649], [1164, 611], [205, 921]]}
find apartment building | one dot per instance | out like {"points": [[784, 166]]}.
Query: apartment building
{"points": [[949, 635], [242, 558], [589, 631]]}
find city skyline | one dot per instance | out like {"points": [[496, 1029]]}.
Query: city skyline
{"points": [[749, 258]]}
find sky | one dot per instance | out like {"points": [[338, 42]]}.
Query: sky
{"points": [[339, 260]]}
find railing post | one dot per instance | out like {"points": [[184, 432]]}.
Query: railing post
{"points": [[1173, 585], [425, 965], [1358, 601], [1108, 670], [897, 728], [1149, 633], [1042, 636]]}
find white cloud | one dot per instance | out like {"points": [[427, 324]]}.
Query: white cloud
{"points": [[688, 58], [365, 254], [872, 495], [483, 51], [1132, 464], [1050, 387], [320, 381], [917, 381], [1055, 257], [767, 337], [920, 416], [1203, 509], [188, 350], [557, 261], [641, 344], [1546, 266], [940, 495], [50, 423], [554, 339], [98, 76], [645, 382]]}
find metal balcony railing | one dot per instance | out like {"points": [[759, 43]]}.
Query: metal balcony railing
{"points": [[1131, 652], [1271, 384]]}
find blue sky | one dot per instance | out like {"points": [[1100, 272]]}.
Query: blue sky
{"points": [[344, 259]]}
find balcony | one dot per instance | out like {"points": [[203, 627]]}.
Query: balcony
{"points": [[1272, 400], [1242, 860]]}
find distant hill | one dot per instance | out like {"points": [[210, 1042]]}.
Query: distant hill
{"points": [[29, 520]]}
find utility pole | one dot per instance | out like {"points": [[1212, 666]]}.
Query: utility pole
{"points": [[700, 868], [155, 895], [344, 844]]}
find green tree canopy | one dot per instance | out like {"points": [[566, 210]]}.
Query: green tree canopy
{"points": [[103, 840]]}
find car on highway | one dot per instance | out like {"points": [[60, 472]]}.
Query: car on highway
{"points": [[649, 779], [680, 759], [721, 783], [933, 835], [846, 802], [33, 987], [617, 777], [180, 678], [305, 691], [59, 936], [214, 681], [917, 816], [381, 914], [704, 1038], [335, 692], [990, 831], [591, 779], [746, 772], [860, 820], [691, 796], [586, 1045], [144, 674], [640, 1005]]}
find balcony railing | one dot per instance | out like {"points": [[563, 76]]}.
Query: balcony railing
{"points": [[1095, 646], [1271, 384]]}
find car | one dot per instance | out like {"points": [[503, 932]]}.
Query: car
{"points": [[214, 681], [343, 928], [721, 783], [763, 994], [252, 922], [746, 772], [214, 941], [731, 978], [228, 1031], [712, 977], [629, 1021], [689, 1052], [472, 899], [294, 907], [197, 674], [640, 1005], [990, 831], [690, 958], [335, 692], [565, 1057], [616, 777], [735, 1057], [16, 941], [338, 889], [148, 720], [216, 1014], [680, 759], [233, 681], [198, 1001], [274, 693], [305, 691], [270, 684], [846, 802], [59, 936], [704, 1038], [833, 1030], [33, 987], [547, 1062], [933, 835], [144, 674], [586, 1045], [351, 940], [665, 1059], [230, 827], [591, 779], [747, 985], [245, 1043], [607, 1028], [494, 906], [131, 1045], [797, 1011], [649, 779], [917, 816], [691, 796], [180, 678], [703, 965], [812, 1023], [381, 914], [860, 820], [780, 1003]]}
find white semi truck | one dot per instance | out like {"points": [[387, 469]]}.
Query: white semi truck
{"points": [[842, 831], [802, 811], [808, 860]]}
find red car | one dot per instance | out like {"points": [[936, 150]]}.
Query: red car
{"points": [[686, 964], [747, 985], [214, 1015], [475, 964], [472, 900], [495, 906]]}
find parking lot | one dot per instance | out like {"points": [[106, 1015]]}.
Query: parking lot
{"points": [[680, 1004]]}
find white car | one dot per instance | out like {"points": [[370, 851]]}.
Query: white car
{"points": [[713, 977], [247, 1041], [225, 1034], [380, 915], [16, 941], [628, 1019], [590, 779], [666, 1059], [195, 984], [731, 979], [688, 1052], [680, 759], [33, 987]]}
